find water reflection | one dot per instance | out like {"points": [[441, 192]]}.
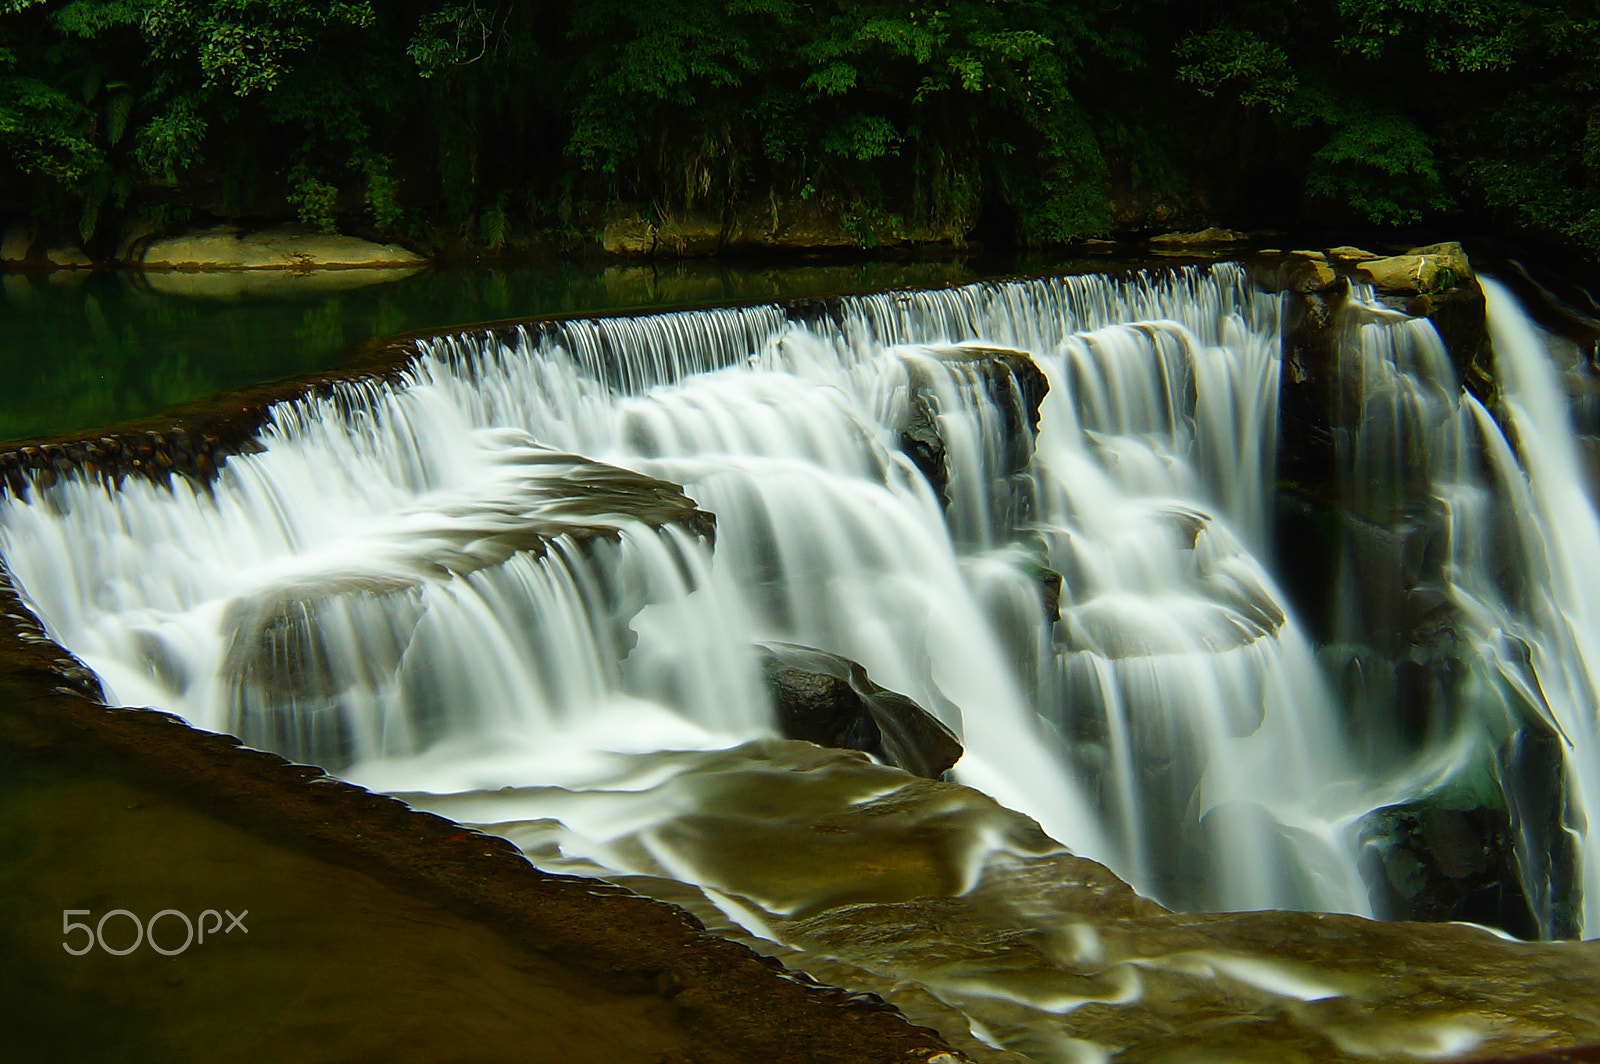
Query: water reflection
{"points": [[82, 349]]}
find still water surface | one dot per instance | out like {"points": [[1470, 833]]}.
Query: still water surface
{"points": [[79, 350]]}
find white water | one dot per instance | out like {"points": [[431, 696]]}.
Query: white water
{"points": [[1559, 533], [356, 593]]}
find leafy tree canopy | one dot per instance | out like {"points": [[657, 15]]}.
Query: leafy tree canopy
{"points": [[474, 119]]}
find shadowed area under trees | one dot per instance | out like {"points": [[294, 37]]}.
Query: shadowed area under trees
{"points": [[484, 124]]}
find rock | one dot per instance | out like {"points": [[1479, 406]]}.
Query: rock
{"points": [[135, 235], [1345, 253], [829, 700], [1427, 860], [626, 233], [1295, 271], [18, 241], [1547, 824], [1212, 235], [1450, 256], [786, 222], [1434, 268], [1014, 384], [68, 258], [283, 248]]}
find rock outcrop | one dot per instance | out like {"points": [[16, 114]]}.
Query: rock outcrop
{"points": [[1434, 268], [1199, 238], [226, 247], [829, 700], [1012, 383]]}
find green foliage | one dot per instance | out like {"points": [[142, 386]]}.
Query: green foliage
{"points": [[457, 119], [170, 140], [1382, 167], [316, 201], [381, 197], [1256, 69], [494, 226]]}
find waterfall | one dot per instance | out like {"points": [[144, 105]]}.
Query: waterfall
{"points": [[448, 583], [1557, 535]]}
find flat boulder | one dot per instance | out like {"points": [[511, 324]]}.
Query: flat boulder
{"points": [[829, 700], [1346, 253], [1433, 268], [1213, 235], [225, 247]]}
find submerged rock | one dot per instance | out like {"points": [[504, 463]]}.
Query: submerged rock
{"points": [[829, 700], [968, 918]]}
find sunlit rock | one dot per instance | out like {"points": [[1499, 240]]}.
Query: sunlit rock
{"points": [[226, 247], [17, 241], [1426, 269], [1213, 235], [1346, 253]]}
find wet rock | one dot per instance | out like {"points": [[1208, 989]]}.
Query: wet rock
{"points": [[921, 442], [72, 258], [1427, 860], [1013, 384], [1310, 272], [1547, 826], [226, 247], [1306, 443], [1295, 271], [829, 700]]}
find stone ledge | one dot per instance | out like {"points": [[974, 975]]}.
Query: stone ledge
{"points": [[225, 247]]}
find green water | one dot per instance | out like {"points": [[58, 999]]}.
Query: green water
{"points": [[79, 350]]}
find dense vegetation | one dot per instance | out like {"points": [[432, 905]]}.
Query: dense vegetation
{"points": [[483, 121]]}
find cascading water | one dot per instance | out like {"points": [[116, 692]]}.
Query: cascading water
{"points": [[425, 586], [1557, 625], [356, 593]]}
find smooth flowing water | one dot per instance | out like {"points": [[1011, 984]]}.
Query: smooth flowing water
{"points": [[400, 585]]}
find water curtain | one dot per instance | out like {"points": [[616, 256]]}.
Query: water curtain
{"points": [[1041, 509]]}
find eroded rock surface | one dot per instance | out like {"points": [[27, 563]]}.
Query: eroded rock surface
{"points": [[969, 919]]}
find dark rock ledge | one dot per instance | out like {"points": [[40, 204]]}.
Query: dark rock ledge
{"points": [[733, 1005]]}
